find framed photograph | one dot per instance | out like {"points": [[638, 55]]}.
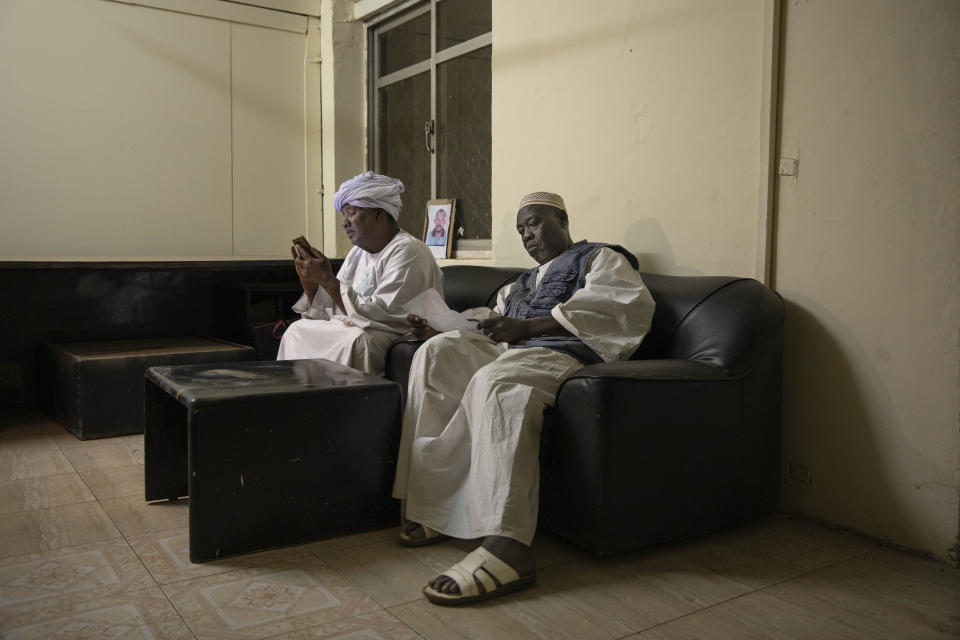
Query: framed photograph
{"points": [[438, 233]]}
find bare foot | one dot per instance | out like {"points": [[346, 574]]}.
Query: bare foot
{"points": [[413, 530], [414, 534], [516, 554]]}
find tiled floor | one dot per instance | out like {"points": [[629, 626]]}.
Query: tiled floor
{"points": [[82, 556]]}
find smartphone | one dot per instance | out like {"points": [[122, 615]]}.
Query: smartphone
{"points": [[301, 242]]}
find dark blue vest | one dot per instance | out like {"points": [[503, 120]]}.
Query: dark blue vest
{"points": [[564, 277]]}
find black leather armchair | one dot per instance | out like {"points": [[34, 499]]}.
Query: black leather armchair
{"points": [[682, 439]]}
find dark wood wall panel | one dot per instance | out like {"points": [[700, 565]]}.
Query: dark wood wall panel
{"points": [[47, 302]]}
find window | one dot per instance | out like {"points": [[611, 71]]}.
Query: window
{"points": [[430, 116]]}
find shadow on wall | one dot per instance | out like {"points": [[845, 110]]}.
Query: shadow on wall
{"points": [[646, 240], [833, 400]]}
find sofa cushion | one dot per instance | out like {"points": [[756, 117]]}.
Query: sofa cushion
{"points": [[470, 286]]}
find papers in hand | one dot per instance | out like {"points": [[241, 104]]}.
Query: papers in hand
{"points": [[430, 306]]}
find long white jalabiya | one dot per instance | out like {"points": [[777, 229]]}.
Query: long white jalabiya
{"points": [[371, 190], [374, 288], [469, 454]]}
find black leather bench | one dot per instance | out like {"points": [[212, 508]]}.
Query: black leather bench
{"points": [[98, 385]]}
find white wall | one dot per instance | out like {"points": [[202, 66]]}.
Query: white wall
{"points": [[268, 139], [133, 132], [643, 115], [867, 260], [343, 48]]}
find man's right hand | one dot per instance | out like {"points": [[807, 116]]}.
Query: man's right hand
{"points": [[313, 269], [420, 328]]}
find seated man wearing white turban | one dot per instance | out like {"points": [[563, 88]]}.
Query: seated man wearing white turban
{"points": [[354, 316], [469, 454]]}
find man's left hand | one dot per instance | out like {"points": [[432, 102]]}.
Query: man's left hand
{"points": [[504, 329], [419, 327]]}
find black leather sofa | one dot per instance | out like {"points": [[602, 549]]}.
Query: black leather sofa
{"points": [[682, 439]]}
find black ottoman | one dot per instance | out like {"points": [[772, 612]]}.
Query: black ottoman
{"points": [[272, 453], [98, 386]]}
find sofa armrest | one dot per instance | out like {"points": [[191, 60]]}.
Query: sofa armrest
{"points": [[653, 370], [398, 361], [652, 450]]}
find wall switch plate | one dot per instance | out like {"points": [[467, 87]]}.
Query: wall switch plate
{"points": [[789, 166]]}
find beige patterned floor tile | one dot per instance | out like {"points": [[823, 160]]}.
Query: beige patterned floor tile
{"points": [[549, 610], [56, 578], [391, 573], [117, 482], [321, 547], [132, 615], [26, 422], [67, 440], [166, 555], [763, 554], [58, 433], [267, 601], [135, 517], [876, 601], [916, 568], [45, 529], [42, 493], [549, 550], [379, 625], [848, 542], [390, 534], [756, 616], [27, 453], [107, 453], [643, 589]]}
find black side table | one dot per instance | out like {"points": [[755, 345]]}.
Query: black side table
{"points": [[272, 453]]}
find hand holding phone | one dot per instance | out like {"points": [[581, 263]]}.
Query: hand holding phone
{"points": [[302, 243]]}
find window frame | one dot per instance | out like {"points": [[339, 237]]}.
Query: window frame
{"points": [[395, 17]]}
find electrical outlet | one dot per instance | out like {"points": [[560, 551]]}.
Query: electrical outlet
{"points": [[797, 472]]}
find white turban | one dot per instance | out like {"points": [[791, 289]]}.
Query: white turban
{"points": [[370, 190]]}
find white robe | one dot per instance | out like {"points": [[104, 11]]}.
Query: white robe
{"points": [[374, 288], [469, 454]]}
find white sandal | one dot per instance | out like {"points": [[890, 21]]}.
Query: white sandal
{"points": [[480, 576], [430, 536]]}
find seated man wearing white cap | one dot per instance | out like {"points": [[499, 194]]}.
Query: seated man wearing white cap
{"points": [[354, 316], [469, 454]]}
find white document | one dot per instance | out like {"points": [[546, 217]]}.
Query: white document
{"points": [[430, 306]]}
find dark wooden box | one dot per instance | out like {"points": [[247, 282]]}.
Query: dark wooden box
{"points": [[98, 386]]}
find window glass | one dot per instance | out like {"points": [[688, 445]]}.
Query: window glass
{"points": [[404, 106], [463, 140], [452, 98], [461, 20], [405, 45]]}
